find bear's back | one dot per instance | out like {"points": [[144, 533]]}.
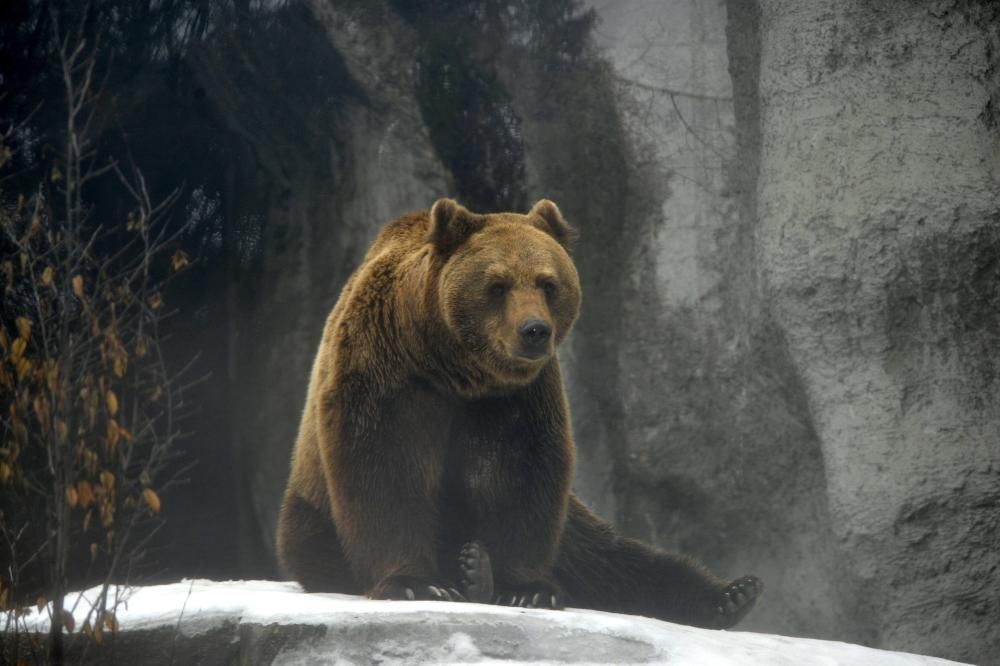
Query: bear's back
{"points": [[405, 234]]}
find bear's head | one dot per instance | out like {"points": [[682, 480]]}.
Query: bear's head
{"points": [[507, 288]]}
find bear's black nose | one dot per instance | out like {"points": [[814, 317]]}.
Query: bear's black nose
{"points": [[534, 336]]}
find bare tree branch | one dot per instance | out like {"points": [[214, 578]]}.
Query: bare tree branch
{"points": [[88, 406]]}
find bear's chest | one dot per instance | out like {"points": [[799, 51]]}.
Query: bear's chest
{"points": [[486, 450], [479, 475]]}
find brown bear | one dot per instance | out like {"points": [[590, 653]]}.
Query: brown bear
{"points": [[436, 426]]}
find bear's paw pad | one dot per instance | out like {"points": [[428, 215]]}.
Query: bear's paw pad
{"points": [[475, 573], [736, 600]]}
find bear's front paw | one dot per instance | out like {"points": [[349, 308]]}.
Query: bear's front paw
{"points": [[411, 588], [536, 594], [736, 600], [475, 573]]}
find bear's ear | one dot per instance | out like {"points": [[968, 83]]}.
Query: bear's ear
{"points": [[554, 224], [451, 225]]}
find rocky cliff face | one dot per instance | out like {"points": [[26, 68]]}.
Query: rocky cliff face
{"points": [[790, 234], [878, 228], [718, 455]]}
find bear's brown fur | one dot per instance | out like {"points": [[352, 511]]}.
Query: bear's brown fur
{"points": [[436, 417]]}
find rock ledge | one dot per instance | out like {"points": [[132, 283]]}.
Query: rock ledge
{"points": [[263, 622]]}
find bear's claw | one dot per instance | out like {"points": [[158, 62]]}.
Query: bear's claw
{"points": [[411, 588]]}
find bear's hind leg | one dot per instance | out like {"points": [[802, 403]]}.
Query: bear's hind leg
{"points": [[309, 550], [604, 571]]}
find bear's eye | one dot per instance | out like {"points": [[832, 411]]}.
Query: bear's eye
{"points": [[550, 287], [498, 289]]}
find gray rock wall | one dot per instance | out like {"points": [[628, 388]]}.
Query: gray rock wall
{"points": [[878, 229], [718, 456]]}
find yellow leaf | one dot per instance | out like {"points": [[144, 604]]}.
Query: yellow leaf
{"points": [[107, 479], [61, 430], [155, 302], [56, 177], [113, 433], [4, 342], [140, 346], [24, 328], [17, 349], [68, 621], [121, 363], [179, 260], [90, 460], [86, 492], [78, 286], [112, 402], [3, 599], [52, 374], [71, 497], [5, 472], [152, 499], [24, 365], [47, 276], [111, 622], [41, 407]]}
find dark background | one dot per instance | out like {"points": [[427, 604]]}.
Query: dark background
{"points": [[790, 254]]}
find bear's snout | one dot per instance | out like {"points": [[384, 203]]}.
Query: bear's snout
{"points": [[535, 334]]}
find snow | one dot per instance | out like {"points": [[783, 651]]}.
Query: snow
{"points": [[354, 630]]}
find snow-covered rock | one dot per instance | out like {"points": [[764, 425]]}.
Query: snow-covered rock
{"points": [[265, 622]]}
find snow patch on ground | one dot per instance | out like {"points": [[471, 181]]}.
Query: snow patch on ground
{"points": [[344, 629]]}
